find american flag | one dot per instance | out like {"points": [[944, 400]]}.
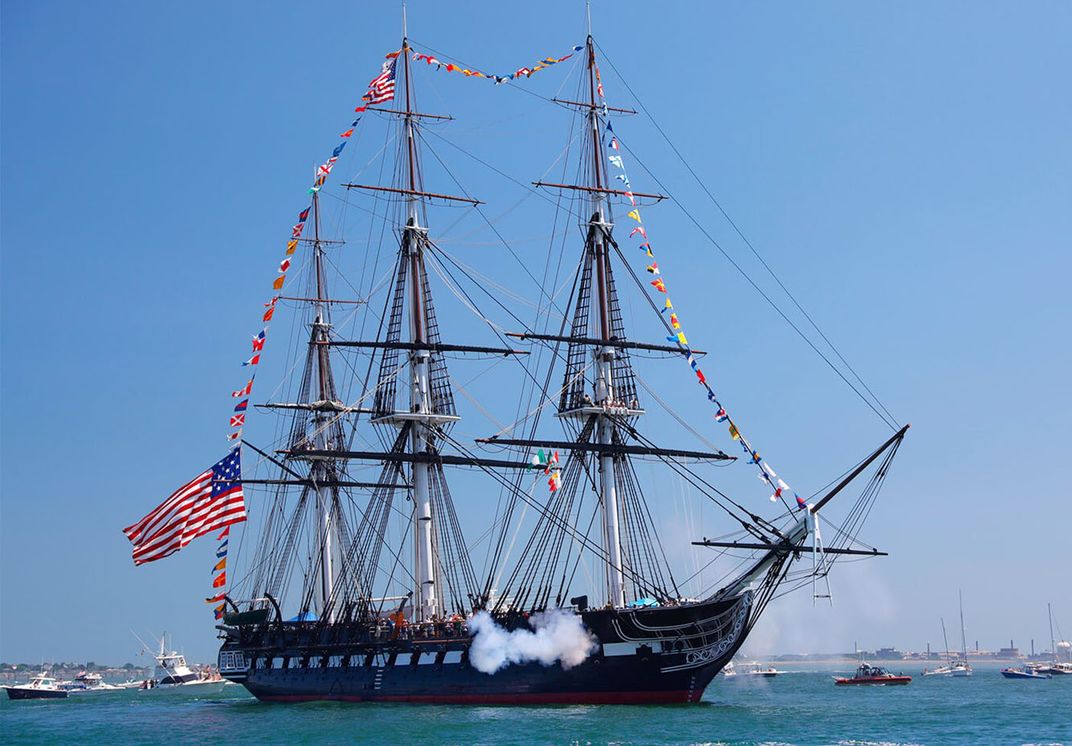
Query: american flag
{"points": [[210, 501], [382, 87]]}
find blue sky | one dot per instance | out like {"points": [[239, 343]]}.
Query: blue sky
{"points": [[907, 170]]}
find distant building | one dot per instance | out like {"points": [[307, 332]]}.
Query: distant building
{"points": [[1010, 652]]}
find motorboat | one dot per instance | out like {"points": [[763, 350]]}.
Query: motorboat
{"points": [[90, 683], [867, 674], [41, 686], [1024, 672], [755, 669], [172, 670], [1056, 669]]}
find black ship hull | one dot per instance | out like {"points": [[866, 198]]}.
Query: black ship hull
{"points": [[643, 656], [19, 692]]}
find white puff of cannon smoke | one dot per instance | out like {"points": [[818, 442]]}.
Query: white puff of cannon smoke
{"points": [[557, 636]]}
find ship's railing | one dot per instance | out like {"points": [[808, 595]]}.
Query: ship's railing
{"points": [[380, 631]]}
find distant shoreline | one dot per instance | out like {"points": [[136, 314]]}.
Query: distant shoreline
{"points": [[881, 656]]}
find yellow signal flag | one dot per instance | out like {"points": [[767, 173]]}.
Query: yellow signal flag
{"points": [[278, 284], [734, 432], [634, 214], [291, 246]]}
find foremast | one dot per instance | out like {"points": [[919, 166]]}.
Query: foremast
{"points": [[599, 408], [326, 437], [316, 429]]}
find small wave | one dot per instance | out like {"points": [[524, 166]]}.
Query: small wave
{"points": [[856, 742]]}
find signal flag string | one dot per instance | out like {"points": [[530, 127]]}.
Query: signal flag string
{"points": [[766, 473]]}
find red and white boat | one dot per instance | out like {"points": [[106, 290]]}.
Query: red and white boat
{"points": [[874, 676]]}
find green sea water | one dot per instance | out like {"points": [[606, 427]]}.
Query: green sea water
{"points": [[799, 707]]}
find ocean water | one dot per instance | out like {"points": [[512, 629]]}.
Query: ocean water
{"points": [[800, 707]]}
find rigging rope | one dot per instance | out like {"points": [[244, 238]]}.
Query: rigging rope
{"points": [[885, 415]]}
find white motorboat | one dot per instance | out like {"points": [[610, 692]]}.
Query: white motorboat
{"points": [[755, 669], [91, 683], [172, 670]]}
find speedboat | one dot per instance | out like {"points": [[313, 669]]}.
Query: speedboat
{"points": [[41, 686], [757, 670], [1024, 672], [728, 670], [873, 676]]}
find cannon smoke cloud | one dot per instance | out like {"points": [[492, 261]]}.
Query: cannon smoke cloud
{"points": [[556, 636]]}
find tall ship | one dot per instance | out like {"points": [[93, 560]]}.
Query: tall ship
{"points": [[361, 580]]}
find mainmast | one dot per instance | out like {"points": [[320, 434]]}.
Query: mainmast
{"points": [[422, 422], [414, 236], [604, 387]]}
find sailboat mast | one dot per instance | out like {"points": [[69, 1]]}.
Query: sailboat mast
{"points": [[963, 639], [604, 390], [420, 401], [1053, 645]]}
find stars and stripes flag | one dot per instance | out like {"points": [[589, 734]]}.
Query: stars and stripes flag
{"points": [[382, 87], [210, 501]]}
